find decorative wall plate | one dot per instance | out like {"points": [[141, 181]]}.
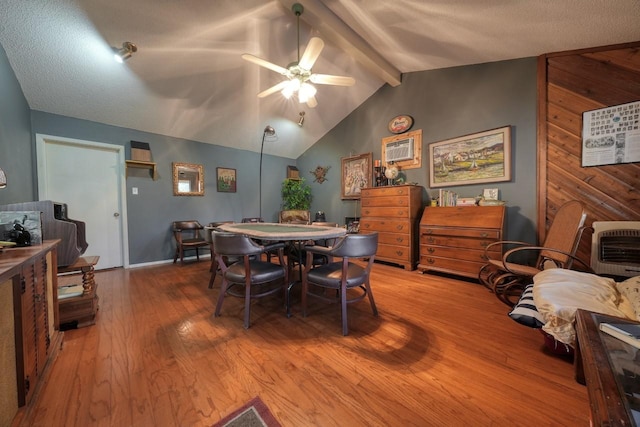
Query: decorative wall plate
{"points": [[400, 124]]}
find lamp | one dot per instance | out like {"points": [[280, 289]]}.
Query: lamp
{"points": [[3, 179], [268, 131], [124, 52], [301, 119]]}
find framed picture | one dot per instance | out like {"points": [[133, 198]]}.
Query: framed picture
{"points": [[471, 159], [611, 135], [357, 173], [226, 180]]}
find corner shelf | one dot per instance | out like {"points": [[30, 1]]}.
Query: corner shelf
{"points": [[143, 165]]}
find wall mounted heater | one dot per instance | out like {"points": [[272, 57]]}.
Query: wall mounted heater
{"points": [[615, 248], [399, 150]]}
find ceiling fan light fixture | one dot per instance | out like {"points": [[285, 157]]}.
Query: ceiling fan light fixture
{"points": [[306, 92], [125, 52], [292, 87]]}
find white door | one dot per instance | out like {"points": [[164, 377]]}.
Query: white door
{"points": [[87, 176]]}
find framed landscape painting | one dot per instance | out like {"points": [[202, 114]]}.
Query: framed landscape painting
{"points": [[471, 159], [226, 180]]}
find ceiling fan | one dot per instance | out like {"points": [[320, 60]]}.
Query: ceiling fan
{"points": [[298, 74]]}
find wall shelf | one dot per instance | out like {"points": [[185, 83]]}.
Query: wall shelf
{"points": [[138, 164]]}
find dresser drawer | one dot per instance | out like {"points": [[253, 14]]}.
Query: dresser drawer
{"points": [[379, 192], [394, 252], [394, 226], [400, 239], [388, 201], [394, 212], [479, 233], [458, 242]]}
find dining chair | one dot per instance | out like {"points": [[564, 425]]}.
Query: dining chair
{"points": [[508, 275], [214, 268], [343, 275], [188, 236], [254, 278]]}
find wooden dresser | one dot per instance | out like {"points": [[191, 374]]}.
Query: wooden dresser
{"points": [[394, 212], [452, 239]]}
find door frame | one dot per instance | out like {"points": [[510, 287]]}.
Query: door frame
{"points": [[41, 141]]}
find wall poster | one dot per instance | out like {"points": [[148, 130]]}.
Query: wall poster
{"points": [[611, 135]]}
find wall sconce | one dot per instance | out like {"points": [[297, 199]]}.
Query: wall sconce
{"points": [[301, 119], [3, 179], [124, 52]]}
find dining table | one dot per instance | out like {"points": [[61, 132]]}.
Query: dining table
{"points": [[295, 234]]}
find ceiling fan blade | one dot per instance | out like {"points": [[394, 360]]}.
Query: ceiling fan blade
{"points": [[273, 89], [312, 102], [311, 53], [264, 63], [327, 79]]}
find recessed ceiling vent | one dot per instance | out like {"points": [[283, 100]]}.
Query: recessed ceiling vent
{"points": [[399, 150]]}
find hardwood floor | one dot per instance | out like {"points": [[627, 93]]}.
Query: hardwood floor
{"points": [[442, 352]]}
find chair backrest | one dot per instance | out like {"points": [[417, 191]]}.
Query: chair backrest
{"points": [[564, 233], [325, 224], [190, 228], [356, 245], [232, 244], [294, 217], [186, 225]]}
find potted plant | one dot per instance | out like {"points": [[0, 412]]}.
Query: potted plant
{"points": [[296, 200]]}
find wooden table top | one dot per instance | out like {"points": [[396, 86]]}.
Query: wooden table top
{"points": [[276, 231]]}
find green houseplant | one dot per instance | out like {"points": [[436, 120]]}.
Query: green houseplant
{"points": [[296, 194]]}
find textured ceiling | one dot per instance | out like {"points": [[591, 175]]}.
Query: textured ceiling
{"points": [[187, 79]]}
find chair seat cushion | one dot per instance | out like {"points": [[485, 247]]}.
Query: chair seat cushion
{"points": [[329, 275], [261, 272]]}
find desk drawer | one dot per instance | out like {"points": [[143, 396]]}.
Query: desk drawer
{"points": [[399, 239], [458, 242], [399, 253], [478, 233]]}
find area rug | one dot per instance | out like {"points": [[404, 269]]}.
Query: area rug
{"points": [[252, 414]]}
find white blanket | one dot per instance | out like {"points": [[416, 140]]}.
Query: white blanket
{"points": [[558, 293]]}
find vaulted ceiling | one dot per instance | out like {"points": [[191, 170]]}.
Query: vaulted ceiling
{"points": [[188, 80]]}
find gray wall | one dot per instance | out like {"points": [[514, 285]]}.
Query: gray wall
{"points": [[151, 212], [445, 104], [16, 155]]}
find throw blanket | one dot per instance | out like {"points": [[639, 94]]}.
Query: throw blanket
{"points": [[558, 293]]}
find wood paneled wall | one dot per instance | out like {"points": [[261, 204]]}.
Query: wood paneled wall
{"points": [[570, 83]]}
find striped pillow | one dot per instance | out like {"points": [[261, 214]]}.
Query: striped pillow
{"points": [[525, 311]]}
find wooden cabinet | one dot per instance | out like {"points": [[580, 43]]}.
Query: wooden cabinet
{"points": [[28, 321], [393, 212], [453, 239]]}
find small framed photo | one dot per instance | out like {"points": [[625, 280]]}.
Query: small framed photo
{"points": [[226, 180], [490, 193]]}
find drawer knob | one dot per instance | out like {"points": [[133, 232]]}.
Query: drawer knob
{"points": [[431, 240], [485, 234], [399, 239], [366, 226], [400, 227], [431, 250], [431, 260], [399, 253]]}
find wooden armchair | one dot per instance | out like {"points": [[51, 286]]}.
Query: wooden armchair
{"points": [[508, 275], [188, 236]]}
